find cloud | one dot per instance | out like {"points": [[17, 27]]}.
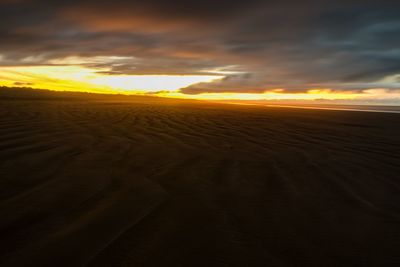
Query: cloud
{"points": [[23, 84], [286, 44]]}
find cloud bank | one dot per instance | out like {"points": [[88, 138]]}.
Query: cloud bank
{"points": [[257, 45]]}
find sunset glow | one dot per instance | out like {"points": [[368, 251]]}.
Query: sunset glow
{"points": [[309, 95], [84, 79], [76, 78]]}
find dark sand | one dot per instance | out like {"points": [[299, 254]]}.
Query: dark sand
{"points": [[133, 181]]}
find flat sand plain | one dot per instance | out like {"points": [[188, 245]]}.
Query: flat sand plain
{"points": [[142, 181]]}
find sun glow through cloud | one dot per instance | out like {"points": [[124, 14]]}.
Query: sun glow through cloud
{"points": [[77, 78], [96, 80]]}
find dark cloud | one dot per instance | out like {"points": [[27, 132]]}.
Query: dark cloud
{"points": [[23, 84], [288, 44]]}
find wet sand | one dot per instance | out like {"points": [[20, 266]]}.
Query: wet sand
{"points": [[135, 181]]}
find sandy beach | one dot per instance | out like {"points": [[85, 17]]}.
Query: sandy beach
{"points": [[142, 181]]}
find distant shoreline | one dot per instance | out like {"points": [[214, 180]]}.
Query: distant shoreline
{"points": [[366, 108], [339, 109]]}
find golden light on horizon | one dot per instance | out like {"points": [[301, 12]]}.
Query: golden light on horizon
{"points": [[312, 94], [77, 78], [83, 79]]}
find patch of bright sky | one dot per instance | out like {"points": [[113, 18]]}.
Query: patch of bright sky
{"points": [[392, 79], [79, 78], [76, 60], [227, 70]]}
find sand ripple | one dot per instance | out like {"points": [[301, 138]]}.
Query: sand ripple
{"points": [[169, 183]]}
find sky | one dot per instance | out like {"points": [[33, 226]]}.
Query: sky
{"points": [[225, 49]]}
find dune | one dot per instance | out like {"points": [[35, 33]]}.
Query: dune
{"points": [[96, 180]]}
